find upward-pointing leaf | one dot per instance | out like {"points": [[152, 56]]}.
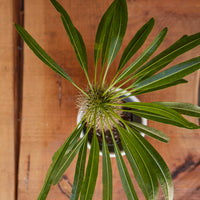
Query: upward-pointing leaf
{"points": [[181, 46], [160, 87], [119, 24], [40, 53], [101, 31], [144, 56], [114, 34], [135, 44], [172, 74], [74, 36]]}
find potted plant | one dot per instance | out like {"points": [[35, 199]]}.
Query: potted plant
{"points": [[108, 117]]}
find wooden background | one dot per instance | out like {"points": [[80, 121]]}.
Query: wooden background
{"points": [[37, 107]]}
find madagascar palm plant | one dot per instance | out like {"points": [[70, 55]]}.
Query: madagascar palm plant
{"points": [[103, 104]]}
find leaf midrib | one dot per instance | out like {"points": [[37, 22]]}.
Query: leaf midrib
{"points": [[162, 58]]}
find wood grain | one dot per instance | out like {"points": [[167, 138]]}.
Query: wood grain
{"points": [[49, 110], [7, 154]]}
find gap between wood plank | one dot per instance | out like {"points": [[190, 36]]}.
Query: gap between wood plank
{"points": [[18, 17]]}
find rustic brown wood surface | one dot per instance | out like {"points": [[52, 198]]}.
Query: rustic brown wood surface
{"points": [[7, 154], [49, 102]]}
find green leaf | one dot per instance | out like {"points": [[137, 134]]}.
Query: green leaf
{"points": [[135, 44], [107, 172], [145, 177], [74, 137], [169, 75], [183, 108], [156, 163], [124, 174], [162, 111], [101, 31], [40, 53], [58, 158], [106, 45], [181, 81], [91, 171], [79, 173], [154, 133], [119, 24], [156, 117], [67, 159], [144, 56], [74, 36], [181, 46]]}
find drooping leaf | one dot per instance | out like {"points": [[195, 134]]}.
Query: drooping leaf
{"points": [[181, 46], [169, 75], [181, 81], [154, 133], [145, 177], [91, 171], [144, 56], [124, 174], [161, 110], [67, 159], [74, 36], [107, 172], [183, 108], [135, 44], [79, 173], [101, 31], [40, 53], [57, 159], [156, 163]]}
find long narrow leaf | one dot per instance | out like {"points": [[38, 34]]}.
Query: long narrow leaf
{"points": [[144, 56], [91, 171], [67, 159], [162, 111], [135, 44], [106, 44], [181, 81], [157, 164], [58, 158], [156, 117], [79, 173], [107, 172], [119, 24], [154, 133], [145, 177], [183, 108], [181, 46], [40, 53], [101, 31], [172, 74], [74, 36], [124, 174]]}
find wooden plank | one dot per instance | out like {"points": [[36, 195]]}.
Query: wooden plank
{"points": [[49, 111], [7, 155]]}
